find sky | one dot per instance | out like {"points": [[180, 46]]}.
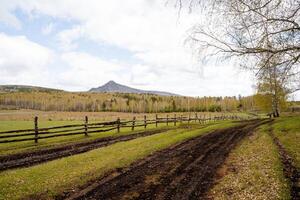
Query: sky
{"points": [[76, 45]]}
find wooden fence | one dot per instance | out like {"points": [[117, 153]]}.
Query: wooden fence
{"points": [[86, 128]]}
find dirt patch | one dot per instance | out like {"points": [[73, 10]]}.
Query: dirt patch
{"points": [[290, 170], [183, 171], [39, 156]]}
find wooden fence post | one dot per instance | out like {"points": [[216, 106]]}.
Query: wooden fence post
{"points": [[36, 130], [175, 119], [86, 126], [156, 120], [197, 118], [118, 124], [133, 123], [189, 118], [145, 121], [167, 120]]}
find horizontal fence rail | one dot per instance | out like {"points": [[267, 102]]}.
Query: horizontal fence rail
{"points": [[86, 128]]}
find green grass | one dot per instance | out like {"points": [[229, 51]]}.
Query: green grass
{"points": [[253, 170], [46, 180], [287, 130], [15, 125], [16, 147]]}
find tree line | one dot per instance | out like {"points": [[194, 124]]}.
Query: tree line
{"points": [[136, 103]]}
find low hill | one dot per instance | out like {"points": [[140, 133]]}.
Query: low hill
{"points": [[113, 87], [25, 88]]}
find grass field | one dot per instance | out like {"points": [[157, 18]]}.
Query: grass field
{"points": [[254, 169], [54, 177], [23, 119], [28, 115], [16, 147], [287, 130]]}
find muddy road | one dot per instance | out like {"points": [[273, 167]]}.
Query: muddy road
{"points": [[39, 156], [184, 171]]}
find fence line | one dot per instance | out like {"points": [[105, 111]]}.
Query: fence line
{"points": [[86, 128]]}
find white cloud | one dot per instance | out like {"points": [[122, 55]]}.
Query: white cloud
{"points": [[22, 61], [143, 75], [67, 38], [149, 29], [85, 71], [6, 16]]}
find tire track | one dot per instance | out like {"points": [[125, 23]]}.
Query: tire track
{"points": [[39, 156], [184, 171], [290, 170]]}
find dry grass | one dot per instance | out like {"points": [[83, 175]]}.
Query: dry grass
{"points": [[252, 171], [28, 115]]}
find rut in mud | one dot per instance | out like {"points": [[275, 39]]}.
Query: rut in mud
{"points": [[35, 157], [184, 171]]}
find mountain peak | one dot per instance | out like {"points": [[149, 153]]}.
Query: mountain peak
{"points": [[113, 87], [110, 82]]}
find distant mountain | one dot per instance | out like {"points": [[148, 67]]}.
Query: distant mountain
{"points": [[25, 88], [112, 86]]}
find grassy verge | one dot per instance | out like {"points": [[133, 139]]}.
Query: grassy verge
{"points": [[10, 148], [287, 130], [49, 179], [253, 171]]}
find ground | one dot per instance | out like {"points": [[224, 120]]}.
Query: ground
{"points": [[255, 169], [214, 160], [252, 171]]}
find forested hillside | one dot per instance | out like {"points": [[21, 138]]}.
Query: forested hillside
{"points": [[74, 101]]}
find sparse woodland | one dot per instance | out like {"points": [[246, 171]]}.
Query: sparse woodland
{"points": [[263, 35], [137, 103]]}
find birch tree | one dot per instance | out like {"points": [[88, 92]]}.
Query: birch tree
{"points": [[264, 36]]}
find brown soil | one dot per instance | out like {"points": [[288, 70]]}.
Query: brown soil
{"points": [[39, 156], [183, 171]]}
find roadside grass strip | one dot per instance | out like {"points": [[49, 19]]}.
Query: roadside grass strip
{"points": [[287, 130], [47, 180], [253, 170]]}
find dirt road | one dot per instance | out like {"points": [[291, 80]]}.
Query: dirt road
{"points": [[184, 171]]}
